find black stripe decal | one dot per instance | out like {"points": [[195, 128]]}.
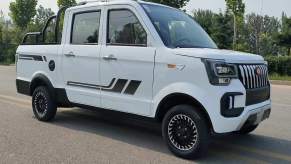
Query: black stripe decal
{"points": [[117, 88], [132, 87], [30, 57], [120, 84], [91, 86]]}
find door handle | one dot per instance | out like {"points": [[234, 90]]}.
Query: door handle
{"points": [[110, 57], [70, 54]]}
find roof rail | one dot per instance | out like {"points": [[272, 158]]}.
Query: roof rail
{"points": [[86, 2]]}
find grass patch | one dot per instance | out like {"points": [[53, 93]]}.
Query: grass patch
{"points": [[280, 77]]}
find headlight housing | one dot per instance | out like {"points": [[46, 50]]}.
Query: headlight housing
{"points": [[219, 72]]}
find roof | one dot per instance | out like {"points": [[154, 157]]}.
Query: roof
{"points": [[110, 2]]}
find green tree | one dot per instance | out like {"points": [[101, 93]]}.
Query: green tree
{"points": [[2, 21], [205, 18], [222, 30], [173, 3], [253, 30], [42, 15], [218, 26], [66, 3], [22, 12], [284, 38], [1, 35], [237, 8]]}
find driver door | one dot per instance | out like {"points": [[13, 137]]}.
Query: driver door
{"points": [[127, 63]]}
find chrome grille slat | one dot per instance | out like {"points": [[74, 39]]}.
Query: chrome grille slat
{"points": [[253, 76], [264, 79], [249, 78], [261, 79], [266, 76], [243, 75], [250, 75]]}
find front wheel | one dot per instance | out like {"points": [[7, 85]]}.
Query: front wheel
{"points": [[186, 132], [43, 105]]}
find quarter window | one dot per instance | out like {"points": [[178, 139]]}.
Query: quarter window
{"points": [[125, 29], [85, 28]]}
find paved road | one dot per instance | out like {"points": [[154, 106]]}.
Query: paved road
{"points": [[80, 136]]}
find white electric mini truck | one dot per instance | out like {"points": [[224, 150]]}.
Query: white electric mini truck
{"points": [[148, 60]]}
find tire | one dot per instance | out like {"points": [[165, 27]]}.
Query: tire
{"points": [[193, 141], [43, 105], [247, 129]]}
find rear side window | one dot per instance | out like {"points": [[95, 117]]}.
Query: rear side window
{"points": [[85, 28], [125, 29]]}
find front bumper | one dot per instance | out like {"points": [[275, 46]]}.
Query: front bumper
{"points": [[223, 124], [229, 118], [255, 116]]}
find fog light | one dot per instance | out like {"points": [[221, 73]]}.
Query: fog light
{"points": [[227, 105]]}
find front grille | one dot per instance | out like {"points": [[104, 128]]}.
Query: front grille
{"points": [[253, 76]]}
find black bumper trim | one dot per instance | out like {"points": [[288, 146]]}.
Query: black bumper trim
{"points": [[225, 105], [259, 95], [23, 87]]}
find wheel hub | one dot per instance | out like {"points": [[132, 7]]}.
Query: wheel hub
{"points": [[182, 132], [40, 103]]}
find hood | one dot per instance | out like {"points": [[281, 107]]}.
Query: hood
{"points": [[227, 55]]}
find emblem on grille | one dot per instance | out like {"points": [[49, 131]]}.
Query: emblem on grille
{"points": [[258, 71]]}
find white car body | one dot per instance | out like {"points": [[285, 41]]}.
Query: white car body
{"points": [[157, 70]]}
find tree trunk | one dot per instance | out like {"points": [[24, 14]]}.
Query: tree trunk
{"points": [[234, 33], [288, 51]]}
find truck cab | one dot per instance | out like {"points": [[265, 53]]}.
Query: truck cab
{"points": [[144, 59]]}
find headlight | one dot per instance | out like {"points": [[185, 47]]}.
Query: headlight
{"points": [[220, 72]]}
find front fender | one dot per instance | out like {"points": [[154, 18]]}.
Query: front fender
{"points": [[209, 97], [180, 87]]}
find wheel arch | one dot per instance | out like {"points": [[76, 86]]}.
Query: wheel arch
{"points": [[174, 99], [40, 80]]}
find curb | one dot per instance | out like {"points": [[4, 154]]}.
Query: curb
{"points": [[280, 82]]}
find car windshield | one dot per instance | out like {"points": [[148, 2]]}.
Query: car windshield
{"points": [[177, 29]]}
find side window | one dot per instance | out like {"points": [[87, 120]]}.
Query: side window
{"points": [[125, 29], [85, 28], [49, 32]]}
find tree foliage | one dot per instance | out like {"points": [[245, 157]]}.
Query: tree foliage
{"points": [[205, 18], [284, 38], [222, 30], [218, 26], [66, 3], [237, 8], [173, 3], [42, 15], [2, 20], [260, 32], [22, 12]]}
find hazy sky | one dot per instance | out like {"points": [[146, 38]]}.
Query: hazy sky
{"points": [[269, 7]]}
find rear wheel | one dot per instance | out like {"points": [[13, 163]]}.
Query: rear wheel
{"points": [[186, 132], [43, 105]]}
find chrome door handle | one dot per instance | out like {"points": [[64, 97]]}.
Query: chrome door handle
{"points": [[70, 54], [109, 57]]}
